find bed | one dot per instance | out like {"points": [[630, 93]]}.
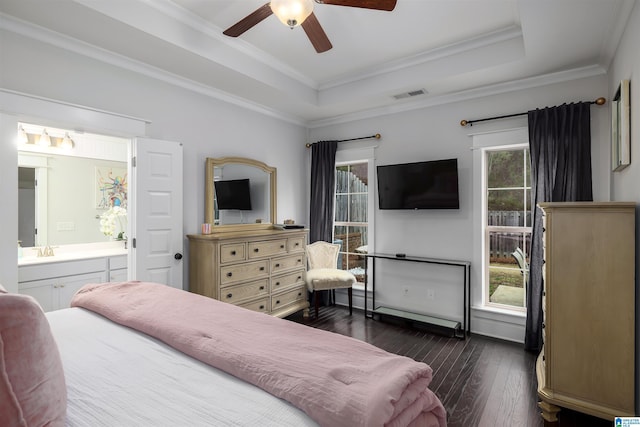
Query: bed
{"points": [[142, 354]]}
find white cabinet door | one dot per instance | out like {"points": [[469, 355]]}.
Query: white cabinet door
{"points": [[118, 275], [54, 294], [68, 286], [43, 292]]}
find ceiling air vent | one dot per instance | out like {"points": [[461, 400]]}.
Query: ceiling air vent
{"points": [[410, 94]]}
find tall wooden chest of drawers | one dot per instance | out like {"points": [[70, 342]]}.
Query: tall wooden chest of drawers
{"points": [[262, 270], [588, 357]]}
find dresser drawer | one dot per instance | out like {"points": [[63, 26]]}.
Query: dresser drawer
{"points": [[267, 248], [242, 272], [285, 281], [287, 263], [261, 305], [232, 252], [288, 297], [233, 294], [295, 244]]}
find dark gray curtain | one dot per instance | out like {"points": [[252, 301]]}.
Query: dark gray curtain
{"points": [[560, 146], [323, 163]]}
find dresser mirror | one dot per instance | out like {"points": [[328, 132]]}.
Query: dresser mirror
{"points": [[240, 194]]}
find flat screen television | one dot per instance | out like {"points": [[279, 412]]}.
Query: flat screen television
{"points": [[420, 185], [233, 194]]}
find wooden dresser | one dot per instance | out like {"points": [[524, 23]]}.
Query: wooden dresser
{"points": [[587, 362], [262, 270]]}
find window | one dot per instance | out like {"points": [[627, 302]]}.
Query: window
{"points": [[351, 219], [507, 227]]}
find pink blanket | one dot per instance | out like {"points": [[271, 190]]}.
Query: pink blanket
{"points": [[336, 380]]}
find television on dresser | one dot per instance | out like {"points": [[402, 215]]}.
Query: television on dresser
{"points": [[419, 185], [233, 194]]}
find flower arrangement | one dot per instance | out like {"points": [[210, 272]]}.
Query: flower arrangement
{"points": [[108, 222]]}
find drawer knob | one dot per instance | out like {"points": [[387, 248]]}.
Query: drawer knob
{"points": [[229, 295], [262, 307], [229, 274], [262, 288], [297, 244], [256, 250], [278, 302], [299, 294], [278, 265], [299, 261], [299, 277], [277, 283], [261, 268], [281, 246], [233, 252], [543, 326]]}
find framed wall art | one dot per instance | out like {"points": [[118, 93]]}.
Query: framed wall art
{"points": [[620, 127], [111, 187]]}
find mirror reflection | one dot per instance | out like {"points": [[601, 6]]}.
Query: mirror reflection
{"points": [[63, 191], [240, 193]]}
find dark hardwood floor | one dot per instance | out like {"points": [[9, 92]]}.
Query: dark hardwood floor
{"points": [[481, 381]]}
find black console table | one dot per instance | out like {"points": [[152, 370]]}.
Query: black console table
{"points": [[460, 331]]}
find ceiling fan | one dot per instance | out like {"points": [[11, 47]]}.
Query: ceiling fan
{"points": [[300, 12]]}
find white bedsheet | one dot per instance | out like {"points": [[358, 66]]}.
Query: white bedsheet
{"points": [[120, 377]]}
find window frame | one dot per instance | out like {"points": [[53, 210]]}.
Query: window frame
{"points": [[487, 229], [354, 156]]}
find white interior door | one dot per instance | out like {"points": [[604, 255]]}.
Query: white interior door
{"points": [[155, 218]]}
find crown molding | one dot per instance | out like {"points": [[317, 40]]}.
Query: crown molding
{"points": [[502, 35], [465, 95], [44, 35], [29, 30]]}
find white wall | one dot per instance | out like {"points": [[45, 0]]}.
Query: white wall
{"points": [[205, 126], [625, 183], [435, 133], [626, 65]]}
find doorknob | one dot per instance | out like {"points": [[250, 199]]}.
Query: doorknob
{"points": [[178, 256]]}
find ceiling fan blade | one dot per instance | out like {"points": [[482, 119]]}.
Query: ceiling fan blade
{"points": [[387, 5], [249, 21], [316, 34]]}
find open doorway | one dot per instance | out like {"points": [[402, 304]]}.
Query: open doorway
{"points": [[27, 206]]}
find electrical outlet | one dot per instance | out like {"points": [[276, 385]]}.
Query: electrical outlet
{"points": [[431, 294], [65, 226]]}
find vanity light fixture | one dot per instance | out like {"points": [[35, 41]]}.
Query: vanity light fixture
{"points": [[66, 143], [292, 12], [23, 138], [45, 140]]}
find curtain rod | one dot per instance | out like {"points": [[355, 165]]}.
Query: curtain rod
{"points": [[376, 136], [599, 101]]}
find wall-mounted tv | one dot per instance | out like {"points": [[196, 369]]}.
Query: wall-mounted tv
{"points": [[233, 194], [420, 185]]}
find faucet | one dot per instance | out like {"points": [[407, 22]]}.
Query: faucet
{"points": [[46, 251]]}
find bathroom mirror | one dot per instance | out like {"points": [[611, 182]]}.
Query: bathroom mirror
{"points": [[240, 193], [72, 185]]}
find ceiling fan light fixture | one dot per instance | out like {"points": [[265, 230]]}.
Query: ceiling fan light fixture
{"points": [[292, 12]]}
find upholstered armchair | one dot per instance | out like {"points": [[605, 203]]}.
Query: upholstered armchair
{"points": [[323, 274]]}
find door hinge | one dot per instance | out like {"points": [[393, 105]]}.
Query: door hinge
{"points": [[133, 243], [133, 161]]}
